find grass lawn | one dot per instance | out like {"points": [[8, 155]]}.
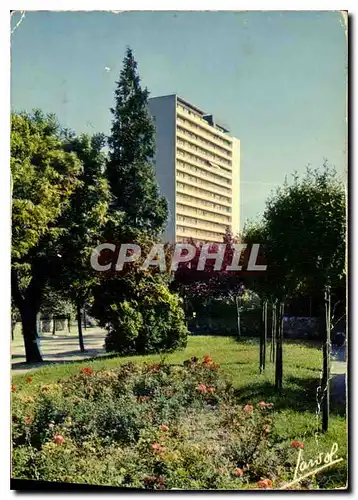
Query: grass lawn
{"points": [[294, 409]]}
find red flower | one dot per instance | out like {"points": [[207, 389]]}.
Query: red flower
{"points": [[264, 483], [59, 439], [28, 420], [207, 360], [211, 389], [164, 428], [239, 472], [87, 371], [140, 399], [201, 388], [297, 444], [248, 408], [265, 405], [155, 368], [156, 482], [13, 388]]}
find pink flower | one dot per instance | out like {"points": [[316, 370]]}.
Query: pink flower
{"points": [[164, 428], [211, 389], [158, 447], [248, 408], [59, 439], [201, 388], [297, 444], [28, 420], [239, 472], [265, 405], [264, 483]]}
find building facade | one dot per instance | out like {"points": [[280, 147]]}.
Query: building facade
{"points": [[197, 165]]}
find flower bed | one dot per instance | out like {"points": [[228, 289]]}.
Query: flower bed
{"points": [[150, 426]]}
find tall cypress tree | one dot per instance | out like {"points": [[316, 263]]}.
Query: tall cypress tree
{"points": [[132, 146], [136, 306]]}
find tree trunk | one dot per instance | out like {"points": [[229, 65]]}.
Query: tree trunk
{"points": [[13, 324], [53, 325], [29, 331], [262, 334], [279, 367], [273, 333], [84, 319], [265, 337], [29, 304], [79, 324], [238, 317], [326, 356]]}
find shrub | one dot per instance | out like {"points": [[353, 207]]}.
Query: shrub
{"points": [[124, 329], [153, 323]]}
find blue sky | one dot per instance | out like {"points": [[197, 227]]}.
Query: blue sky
{"points": [[276, 79]]}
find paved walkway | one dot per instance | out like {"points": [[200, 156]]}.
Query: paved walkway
{"points": [[59, 348]]}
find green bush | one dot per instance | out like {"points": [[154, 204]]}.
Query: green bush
{"points": [[154, 322]]}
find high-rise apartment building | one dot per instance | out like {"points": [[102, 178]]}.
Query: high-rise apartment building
{"points": [[197, 165]]}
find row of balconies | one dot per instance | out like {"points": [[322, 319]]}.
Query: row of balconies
{"points": [[199, 123], [189, 188], [184, 209], [195, 202], [205, 184], [203, 164], [190, 146], [185, 132]]}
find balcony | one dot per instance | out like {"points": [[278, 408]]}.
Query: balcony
{"points": [[211, 149], [209, 195], [201, 203], [182, 176], [185, 210], [203, 165], [203, 125]]}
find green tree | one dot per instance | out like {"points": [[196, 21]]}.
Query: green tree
{"points": [[306, 236], [134, 319], [84, 220], [44, 175], [129, 168], [304, 240]]}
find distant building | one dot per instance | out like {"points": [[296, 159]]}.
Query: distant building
{"points": [[197, 166]]}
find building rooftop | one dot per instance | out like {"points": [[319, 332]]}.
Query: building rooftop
{"points": [[209, 118]]}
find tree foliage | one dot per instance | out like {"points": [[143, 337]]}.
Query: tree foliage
{"points": [[44, 176], [129, 168], [136, 306]]}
